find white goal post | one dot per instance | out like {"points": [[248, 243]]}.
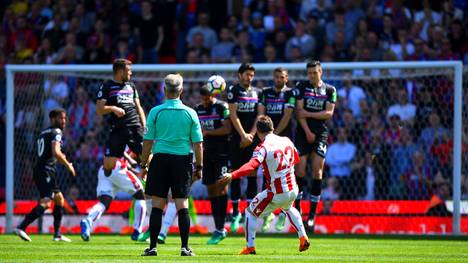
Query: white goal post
{"points": [[455, 66]]}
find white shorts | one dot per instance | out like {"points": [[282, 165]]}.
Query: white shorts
{"points": [[266, 202], [121, 180]]}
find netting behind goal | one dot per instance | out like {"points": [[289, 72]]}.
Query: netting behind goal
{"points": [[396, 125]]}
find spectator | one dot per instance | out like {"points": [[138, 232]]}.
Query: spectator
{"points": [[331, 190], [434, 131], [341, 50], [322, 12], [221, 52], [437, 206], [354, 12], [418, 178], [316, 31], [354, 127], [54, 31], [243, 50], [280, 39], [352, 95], [257, 35], [70, 41], [122, 51], [402, 153], [301, 39], [393, 132], [403, 48], [80, 113], [98, 45], [339, 24], [308, 5], [339, 157], [133, 42], [270, 54], [209, 35], [404, 109], [420, 51], [151, 34], [22, 32], [198, 47]]}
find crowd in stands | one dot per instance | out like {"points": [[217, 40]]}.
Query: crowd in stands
{"points": [[391, 138]]}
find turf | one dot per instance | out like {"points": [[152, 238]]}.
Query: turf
{"points": [[277, 248]]}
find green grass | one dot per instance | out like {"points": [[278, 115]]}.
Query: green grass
{"points": [[270, 248]]}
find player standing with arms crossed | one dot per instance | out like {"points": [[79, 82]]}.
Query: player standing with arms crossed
{"points": [[277, 155], [315, 105], [279, 102], [48, 152], [244, 107], [216, 126]]}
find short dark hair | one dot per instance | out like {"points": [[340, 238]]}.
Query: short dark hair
{"points": [[119, 64], [313, 64], [264, 124], [244, 67], [56, 112], [280, 70]]}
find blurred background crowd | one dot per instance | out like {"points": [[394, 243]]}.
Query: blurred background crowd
{"points": [[390, 138]]}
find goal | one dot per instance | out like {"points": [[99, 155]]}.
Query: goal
{"points": [[404, 120]]}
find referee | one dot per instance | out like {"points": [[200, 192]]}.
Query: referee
{"points": [[172, 128]]}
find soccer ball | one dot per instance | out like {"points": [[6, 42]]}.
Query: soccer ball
{"points": [[216, 84]]}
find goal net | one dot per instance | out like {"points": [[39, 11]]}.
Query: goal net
{"points": [[391, 165]]}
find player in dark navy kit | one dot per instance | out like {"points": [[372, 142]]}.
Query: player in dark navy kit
{"points": [[244, 107], [279, 102], [48, 152], [315, 105], [216, 127], [119, 100]]}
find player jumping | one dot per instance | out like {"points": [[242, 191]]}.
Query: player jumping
{"points": [[315, 105]]}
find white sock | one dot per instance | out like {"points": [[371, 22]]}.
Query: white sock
{"points": [[169, 218], [250, 226], [95, 212], [296, 221], [149, 206], [139, 209]]}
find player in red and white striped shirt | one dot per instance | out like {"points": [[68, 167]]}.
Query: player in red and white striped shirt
{"points": [[277, 155]]}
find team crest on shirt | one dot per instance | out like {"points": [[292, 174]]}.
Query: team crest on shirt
{"points": [[145, 130], [322, 148]]}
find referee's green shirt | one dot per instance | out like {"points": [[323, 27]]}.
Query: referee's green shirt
{"points": [[174, 127]]}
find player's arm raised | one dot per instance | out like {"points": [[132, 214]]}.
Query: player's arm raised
{"points": [[302, 121], [57, 152]]}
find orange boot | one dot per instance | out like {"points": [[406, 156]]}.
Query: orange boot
{"points": [[304, 244], [248, 251]]}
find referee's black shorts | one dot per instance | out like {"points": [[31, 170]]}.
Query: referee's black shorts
{"points": [[169, 171]]}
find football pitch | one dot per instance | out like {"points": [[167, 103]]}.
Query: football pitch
{"points": [[270, 248]]}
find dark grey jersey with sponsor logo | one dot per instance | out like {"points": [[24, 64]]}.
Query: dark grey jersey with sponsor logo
{"points": [[122, 96]]}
